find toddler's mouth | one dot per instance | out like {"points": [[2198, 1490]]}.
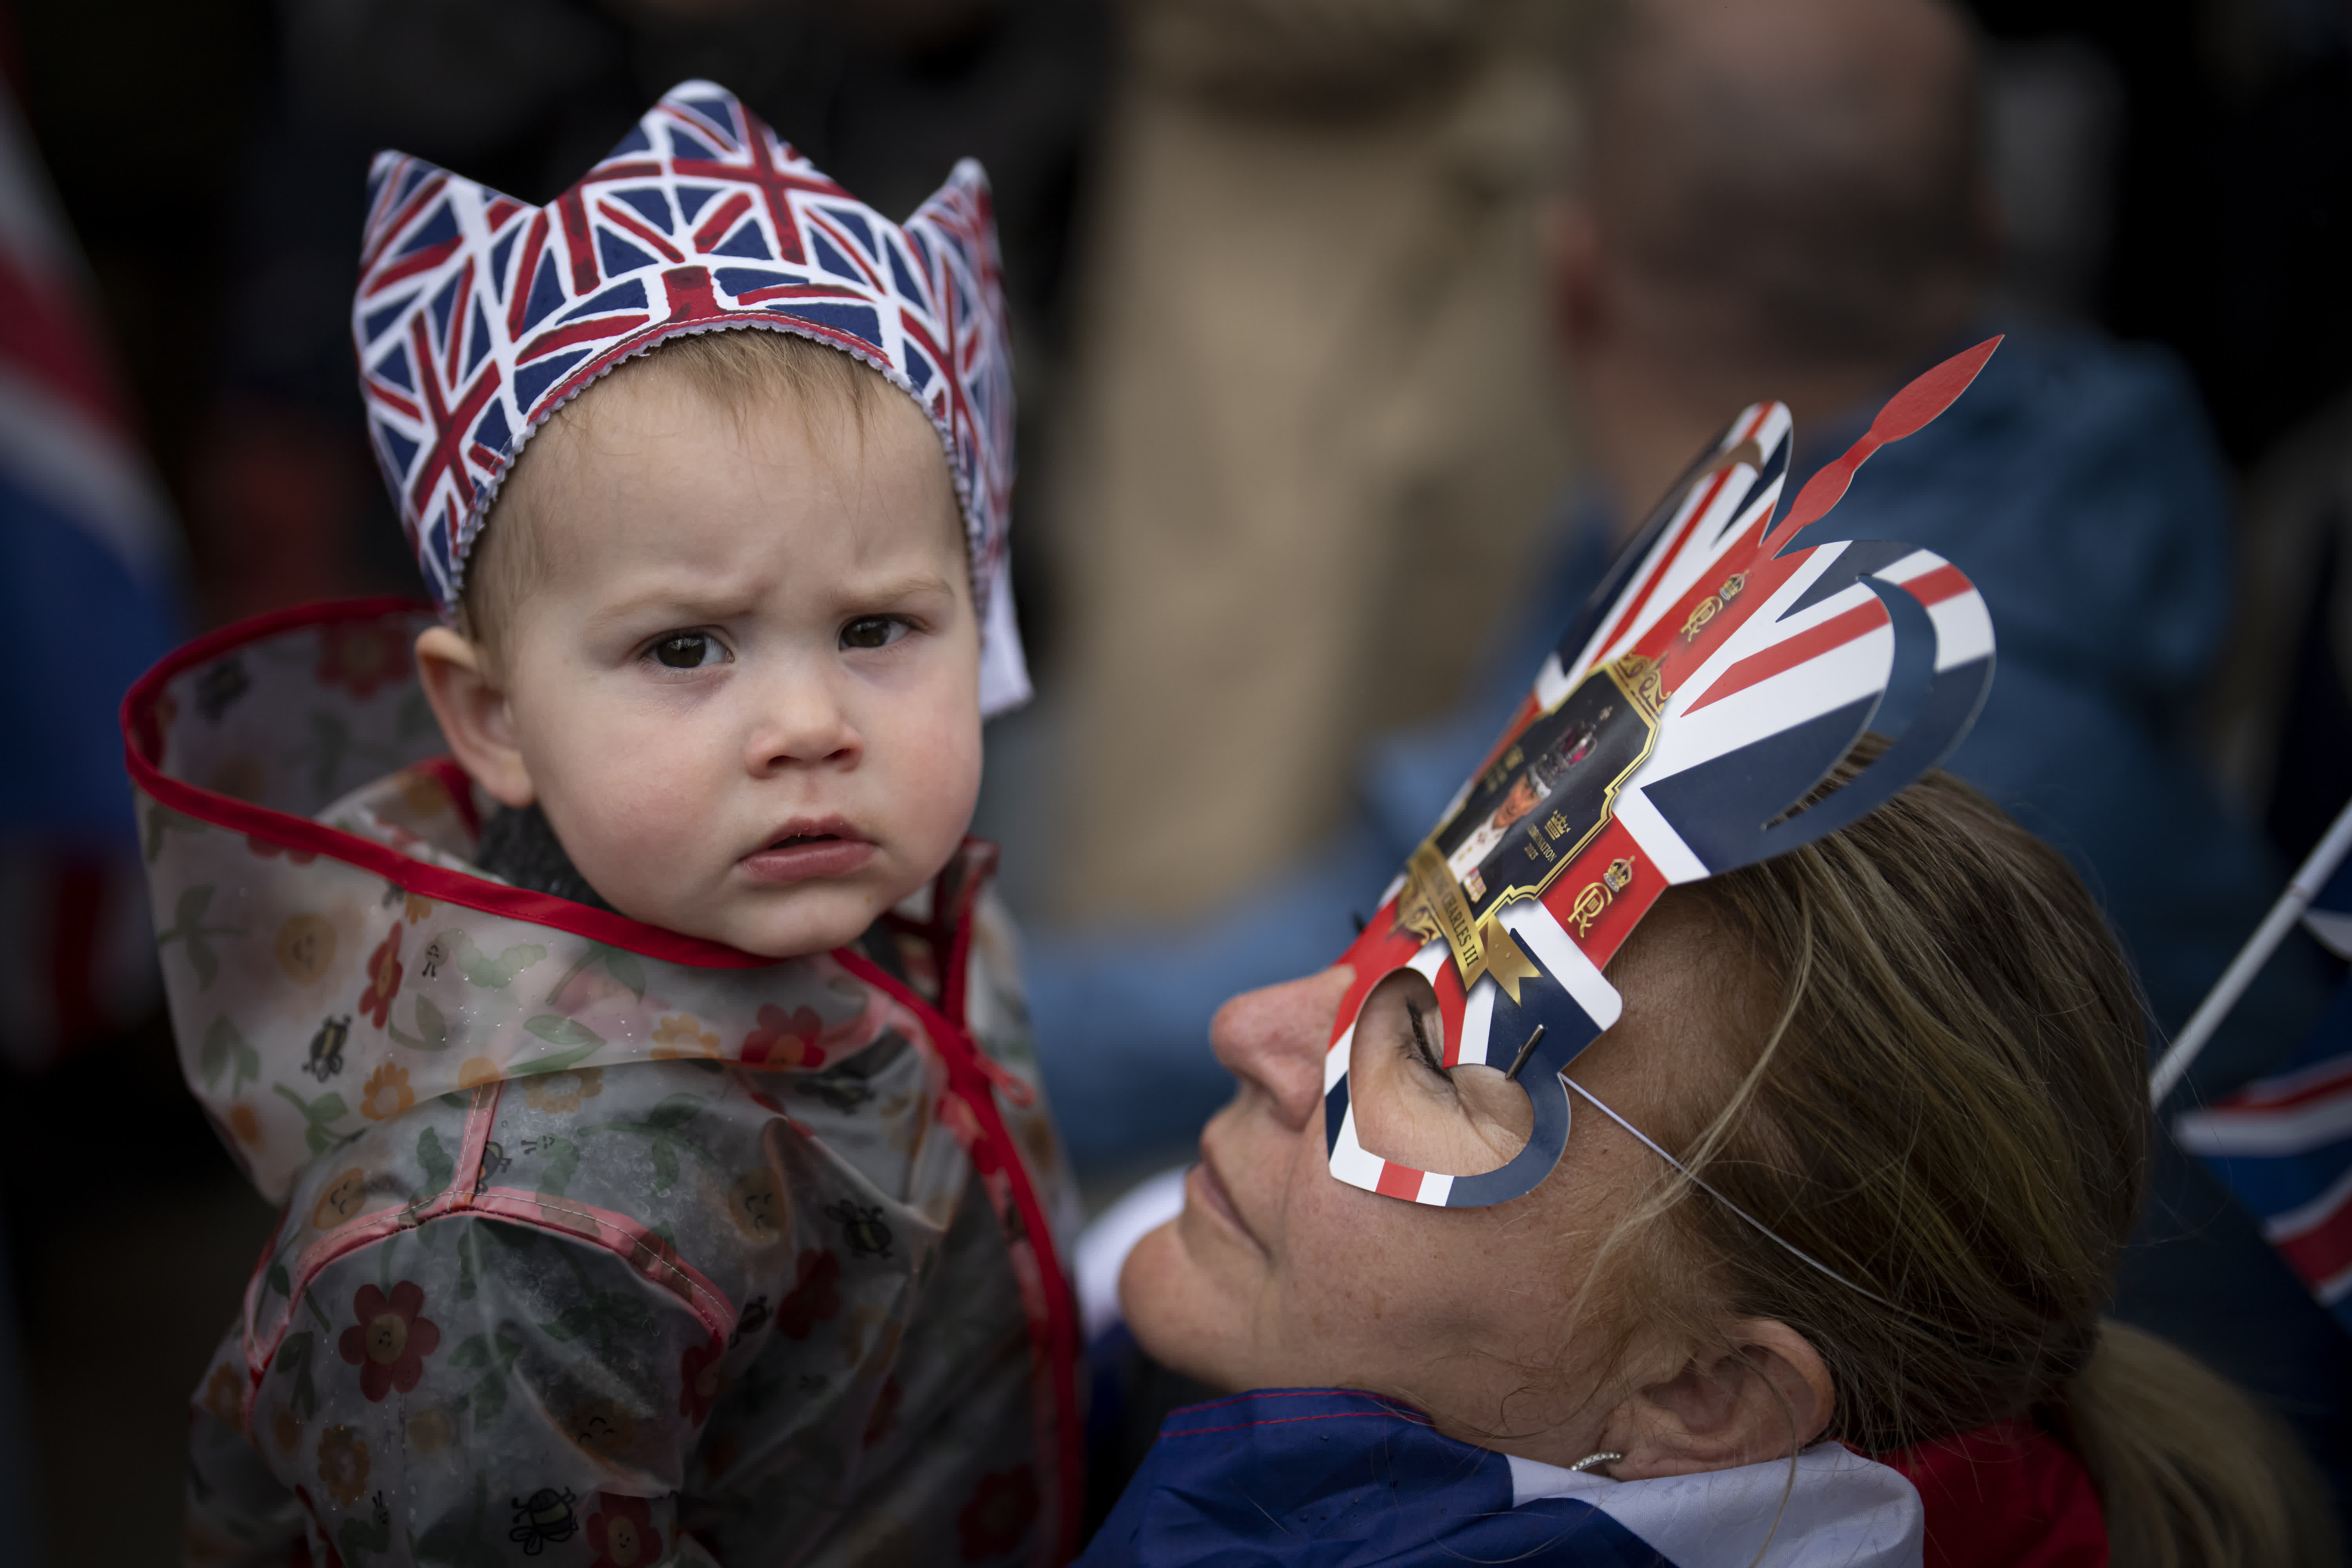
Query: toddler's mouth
{"points": [[830, 847]]}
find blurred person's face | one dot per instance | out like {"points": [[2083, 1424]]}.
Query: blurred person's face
{"points": [[742, 682], [1747, 173], [1278, 1274]]}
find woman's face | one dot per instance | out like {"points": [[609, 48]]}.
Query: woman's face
{"points": [[1276, 1274]]}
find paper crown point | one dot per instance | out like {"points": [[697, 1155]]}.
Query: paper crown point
{"points": [[479, 315]]}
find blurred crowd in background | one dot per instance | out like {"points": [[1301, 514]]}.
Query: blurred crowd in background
{"points": [[1351, 334]]}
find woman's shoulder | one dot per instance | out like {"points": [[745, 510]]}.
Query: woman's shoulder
{"points": [[1284, 1457]]}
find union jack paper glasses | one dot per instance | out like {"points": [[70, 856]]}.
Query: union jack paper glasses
{"points": [[1728, 665]]}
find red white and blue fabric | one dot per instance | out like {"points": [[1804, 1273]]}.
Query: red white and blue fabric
{"points": [[66, 436], [93, 555], [479, 315], [1288, 1478], [2283, 1144], [1777, 645]]}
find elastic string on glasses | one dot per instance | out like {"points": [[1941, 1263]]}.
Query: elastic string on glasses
{"points": [[1766, 1231]]}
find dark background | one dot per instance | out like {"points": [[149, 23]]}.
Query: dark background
{"points": [[209, 155]]}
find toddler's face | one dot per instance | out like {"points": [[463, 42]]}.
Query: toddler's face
{"points": [[745, 689]]}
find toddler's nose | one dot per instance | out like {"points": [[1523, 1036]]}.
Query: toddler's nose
{"points": [[802, 722]]}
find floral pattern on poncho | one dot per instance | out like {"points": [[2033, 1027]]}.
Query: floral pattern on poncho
{"points": [[600, 1245]]}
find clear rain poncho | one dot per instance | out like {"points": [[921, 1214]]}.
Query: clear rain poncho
{"points": [[601, 1245]]}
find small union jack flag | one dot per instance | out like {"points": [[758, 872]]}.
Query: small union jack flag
{"points": [[479, 315], [2284, 1145]]}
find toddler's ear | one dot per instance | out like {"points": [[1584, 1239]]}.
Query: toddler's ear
{"points": [[472, 709]]}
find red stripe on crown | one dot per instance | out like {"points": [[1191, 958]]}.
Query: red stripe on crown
{"points": [[594, 330], [424, 260], [721, 221], [630, 221], [410, 210], [579, 240], [518, 299], [379, 393], [460, 313]]}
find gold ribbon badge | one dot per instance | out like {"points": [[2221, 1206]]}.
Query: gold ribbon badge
{"points": [[1434, 904]]}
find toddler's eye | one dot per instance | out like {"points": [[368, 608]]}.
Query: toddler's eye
{"points": [[688, 650], [873, 631]]}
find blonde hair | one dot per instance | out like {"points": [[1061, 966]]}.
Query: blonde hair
{"points": [[1946, 1102], [732, 371]]}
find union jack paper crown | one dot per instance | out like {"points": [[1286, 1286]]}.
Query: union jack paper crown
{"points": [[479, 315], [1724, 668]]}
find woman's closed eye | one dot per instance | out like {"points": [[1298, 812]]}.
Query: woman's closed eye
{"points": [[1420, 1049], [1412, 1109], [686, 650]]}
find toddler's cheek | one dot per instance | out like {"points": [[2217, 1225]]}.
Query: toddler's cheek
{"points": [[632, 875], [943, 814], [636, 844], [936, 785]]}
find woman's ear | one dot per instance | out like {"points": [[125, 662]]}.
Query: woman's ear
{"points": [[472, 709], [1761, 1393]]}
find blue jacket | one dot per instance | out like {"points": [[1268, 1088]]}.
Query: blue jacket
{"points": [[1308, 1477]]}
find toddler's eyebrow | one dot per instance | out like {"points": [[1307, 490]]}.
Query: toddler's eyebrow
{"points": [[684, 605], [675, 605], [914, 584]]}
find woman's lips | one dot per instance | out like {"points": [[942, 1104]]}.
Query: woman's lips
{"points": [[809, 849], [1205, 1190]]}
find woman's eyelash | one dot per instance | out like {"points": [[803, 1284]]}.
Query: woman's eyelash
{"points": [[1422, 1049]]}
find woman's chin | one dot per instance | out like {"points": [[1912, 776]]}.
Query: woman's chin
{"points": [[1182, 1319], [1145, 1287]]}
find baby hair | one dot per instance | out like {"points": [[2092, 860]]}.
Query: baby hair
{"points": [[735, 372], [1941, 1095]]}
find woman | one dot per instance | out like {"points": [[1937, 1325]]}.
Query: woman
{"points": [[1892, 1134]]}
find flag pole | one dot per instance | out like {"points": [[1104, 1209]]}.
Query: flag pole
{"points": [[2312, 876]]}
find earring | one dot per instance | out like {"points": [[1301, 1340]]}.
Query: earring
{"points": [[1591, 1461]]}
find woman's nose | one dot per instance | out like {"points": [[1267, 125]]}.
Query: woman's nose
{"points": [[1274, 1039]]}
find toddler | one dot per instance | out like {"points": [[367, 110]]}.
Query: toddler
{"points": [[644, 1080]]}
